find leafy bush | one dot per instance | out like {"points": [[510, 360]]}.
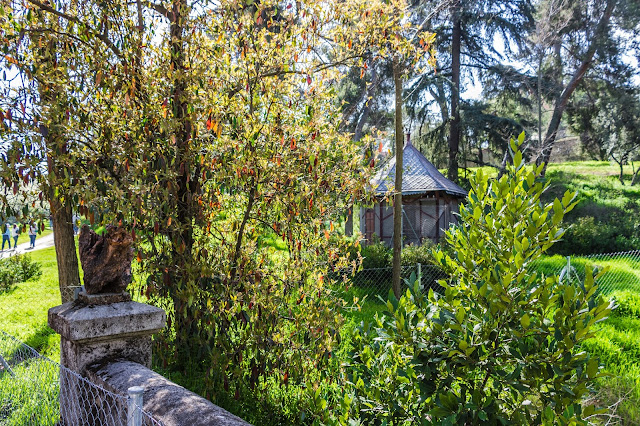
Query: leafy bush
{"points": [[379, 255], [628, 304], [376, 255], [502, 346], [17, 269], [413, 254]]}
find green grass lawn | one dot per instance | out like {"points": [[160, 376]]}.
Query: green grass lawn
{"points": [[585, 168], [31, 396], [596, 182], [623, 271], [23, 309], [607, 217], [617, 344]]}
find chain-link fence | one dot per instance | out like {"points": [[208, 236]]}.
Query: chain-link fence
{"points": [[35, 390], [378, 281], [623, 273], [70, 292], [622, 269]]}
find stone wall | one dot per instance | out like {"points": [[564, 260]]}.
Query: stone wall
{"points": [[107, 340], [166, 401]]}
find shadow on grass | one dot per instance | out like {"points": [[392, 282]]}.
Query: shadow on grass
{"points": [[40, 339], [9, 290]]}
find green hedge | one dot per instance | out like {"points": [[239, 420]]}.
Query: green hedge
{"points": [[17, 269]]}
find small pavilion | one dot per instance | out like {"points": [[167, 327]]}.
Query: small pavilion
{"points": [[429, 201]]}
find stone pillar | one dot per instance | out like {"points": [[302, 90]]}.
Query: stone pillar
{"points": [[97, 329]]}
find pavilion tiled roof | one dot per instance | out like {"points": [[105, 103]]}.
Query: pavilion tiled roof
{"points": [[419, 176]]}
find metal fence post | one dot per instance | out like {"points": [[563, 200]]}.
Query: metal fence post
{"points": [[420, 273], [6, 366], [134, 406]]}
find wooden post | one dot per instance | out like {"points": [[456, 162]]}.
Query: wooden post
{"points": [[437, 216]]}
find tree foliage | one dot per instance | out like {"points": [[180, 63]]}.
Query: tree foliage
{"points": [[466, 53], [605, 114], [206, 137], [587, 37], [503, 343]]}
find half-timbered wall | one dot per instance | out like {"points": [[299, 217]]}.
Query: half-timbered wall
{"points": [[424, 217]]}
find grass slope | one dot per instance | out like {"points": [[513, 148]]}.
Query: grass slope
{"points": [[607, 217]]}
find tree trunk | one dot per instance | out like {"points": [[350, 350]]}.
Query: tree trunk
{"points": [[620, 163], [364, 116], [562, 101], [185, 314], [368, 94], [397, 198], [243, 224], [454, 128], [540, 59], [503, 165], [348, 225], [441, 97], [61, 210], [59, 200], [634, 176], [65, 246]]}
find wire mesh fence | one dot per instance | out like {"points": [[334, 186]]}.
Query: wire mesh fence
{"points": [[35, 390], [70, 292], [622, 269], [378, 281], [622, 273]]}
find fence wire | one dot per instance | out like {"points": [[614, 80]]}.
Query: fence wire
{"points": [[35, 390], [378, 281], [623, 273], [622, 269]]}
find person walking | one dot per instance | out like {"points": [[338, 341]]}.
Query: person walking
{"points": [[33, 231], [16, 234], [6, 236]]}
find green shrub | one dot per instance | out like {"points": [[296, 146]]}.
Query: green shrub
{"points": [[17, 269], [379, 255], [376, 255], [628, 304], [502, 346], [413, 254]]}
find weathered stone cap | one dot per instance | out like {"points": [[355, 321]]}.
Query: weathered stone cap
{"points": [[78, 322], [166, 401]]}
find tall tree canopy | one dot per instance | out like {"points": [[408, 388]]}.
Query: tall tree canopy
{"points": [[472, 39], [589, 37], [206, 129]]}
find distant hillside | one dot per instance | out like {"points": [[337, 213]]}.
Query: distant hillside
{"points": [[607, 219]]}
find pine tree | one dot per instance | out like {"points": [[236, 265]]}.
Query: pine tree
{"points": [[466, 31]]}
